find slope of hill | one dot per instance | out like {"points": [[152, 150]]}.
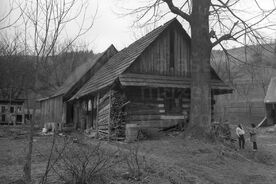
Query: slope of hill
{"points": [[17, 72], [248, 70], [244, 61]]}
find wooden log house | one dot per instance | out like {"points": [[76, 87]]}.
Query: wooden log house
{"points": [[146, 84], [270, 103]]}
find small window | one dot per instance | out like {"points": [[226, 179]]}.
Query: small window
{"points": [[3, 109], [11, 109], [28, 116], [3, 117], [19, 118]]}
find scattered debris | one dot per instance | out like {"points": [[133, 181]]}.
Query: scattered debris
{"points": [[75, 140], [271, 129], [91, 133]]}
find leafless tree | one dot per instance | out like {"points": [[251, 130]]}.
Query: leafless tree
{"points": [[212, 23], [45, 24], [10, 17]]}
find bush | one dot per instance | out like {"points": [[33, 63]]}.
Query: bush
{"points": [[84, 164], [136, 163]]}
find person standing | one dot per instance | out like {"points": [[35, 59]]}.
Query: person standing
{"points": [[253, 136], [240, 133]]}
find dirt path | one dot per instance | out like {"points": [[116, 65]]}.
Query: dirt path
{"points": [[197, 162]]}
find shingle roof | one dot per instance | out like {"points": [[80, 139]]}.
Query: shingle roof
{"points": [[113, 69], [119, 63], [76, 75], [270, 96]]}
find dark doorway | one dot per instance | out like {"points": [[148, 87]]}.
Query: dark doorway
{"points": [[273, 113]]}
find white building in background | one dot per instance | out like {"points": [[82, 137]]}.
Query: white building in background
{"points": [[13, 112]]}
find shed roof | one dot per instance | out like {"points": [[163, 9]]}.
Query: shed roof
{"points": [[270, 96]]}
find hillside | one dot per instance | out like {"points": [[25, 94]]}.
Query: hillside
{"points": [[244, 61], [17, 72], [248, 71]]}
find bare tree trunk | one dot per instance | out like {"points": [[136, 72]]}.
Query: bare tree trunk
{"points": [[27, 167], [200, 61]]}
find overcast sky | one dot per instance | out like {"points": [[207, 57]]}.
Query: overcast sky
{"points": [[111, 28]]}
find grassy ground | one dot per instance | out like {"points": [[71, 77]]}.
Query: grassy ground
{"points": [[168, 159]]}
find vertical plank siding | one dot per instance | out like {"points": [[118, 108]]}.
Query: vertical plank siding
{"points": [[51, 110], [156, 58]]}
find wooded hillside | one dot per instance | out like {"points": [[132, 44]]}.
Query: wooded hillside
{"points": [[17, 73]]}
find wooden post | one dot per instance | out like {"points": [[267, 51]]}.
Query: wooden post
{"points": [[97, 115], [64, 116], [87, 114], [109, 116]]}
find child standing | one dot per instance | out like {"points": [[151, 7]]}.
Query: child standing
{"points": [[240, 133], [253, 136]]}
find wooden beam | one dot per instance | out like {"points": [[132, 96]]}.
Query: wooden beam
{"points": [[109, 115], [97, 115]]}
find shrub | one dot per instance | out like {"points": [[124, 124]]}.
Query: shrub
{"points": [[84, 164]]}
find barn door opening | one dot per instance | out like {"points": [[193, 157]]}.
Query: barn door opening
{"points": [[273, 113]]}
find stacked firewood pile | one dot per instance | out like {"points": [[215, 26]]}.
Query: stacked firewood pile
{"points": [[117, 115]]}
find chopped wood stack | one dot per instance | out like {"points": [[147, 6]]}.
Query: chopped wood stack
{"points": [[117, 115], [103, 122]]}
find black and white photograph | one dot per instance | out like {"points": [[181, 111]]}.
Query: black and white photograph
{"points": [[137, 91]]}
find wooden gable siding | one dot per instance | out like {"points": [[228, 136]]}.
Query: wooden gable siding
{"points": [[156, 58], [51, 110]]}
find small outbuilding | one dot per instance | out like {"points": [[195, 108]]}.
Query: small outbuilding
{"points": [[270, 102]]}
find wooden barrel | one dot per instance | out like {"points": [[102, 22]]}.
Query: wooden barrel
{"points": [[131, 132]]}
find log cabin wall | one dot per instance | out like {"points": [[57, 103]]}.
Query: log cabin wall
{"points": [[51, 110], [157, 107], [169, 55]]}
